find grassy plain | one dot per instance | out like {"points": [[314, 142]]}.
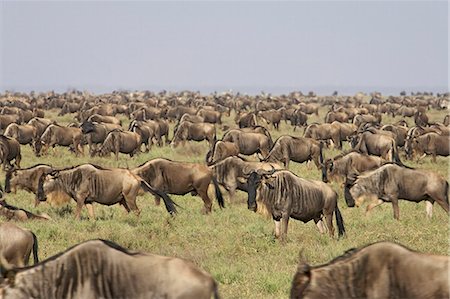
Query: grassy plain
{"points": [[235, 245]]}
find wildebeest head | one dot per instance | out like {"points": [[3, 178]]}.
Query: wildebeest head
{"points": [[301, 280], [48, 183], [354, 190], [255, 178], [87, 127], [181, 132]]}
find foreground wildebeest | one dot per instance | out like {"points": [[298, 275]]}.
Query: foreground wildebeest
{"points": [[376, 144], [58, 135], [96, 133], [232, 173], [194, 131], [24, 134], [108, 271], [9, 150], [249, 143], [26, 179], [16, 245], [378, 270], [297, 149], [391, 182], [285, 196], [118, 141], [344, 164], [428, 144], [10, 212], [180, 178], [89, 183], [221, 150]]}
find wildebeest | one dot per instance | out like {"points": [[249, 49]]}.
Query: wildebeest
{"points": [[324, 132], [378, 145], [180, 178], [232, 172], [246, 120], [40, 124], [344, 164], [24, 134], [96, 133], [88, 183], [271, 117], [194, 131], [118, 141], [392, 182], [160, 129], [429, 144], [221, 150], [6, 120], [210, 116], [9, 150], [10, 212], [298, 119], [249, 143], [16, 245], [378, 270], [104, 119], [108, 271], [57, 135], [26, 179], [285, 196], [297, 149]]}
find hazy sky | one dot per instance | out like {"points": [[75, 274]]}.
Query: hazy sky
{"points": [[246, 46]]}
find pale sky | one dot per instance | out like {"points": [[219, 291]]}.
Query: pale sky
{"points": [[244, 46]]}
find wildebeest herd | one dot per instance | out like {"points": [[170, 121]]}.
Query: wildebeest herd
{"points": [[372, 164]]}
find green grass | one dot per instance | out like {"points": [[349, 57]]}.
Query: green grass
{"points": [[235, 245]]}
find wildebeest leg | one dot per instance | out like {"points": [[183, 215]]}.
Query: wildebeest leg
{"points": [[329, 222], [284, 226], [206, 200], [277, 228], [131, 203], [320, 226], [394, 201], [90, 209], [373, 205], [124, 204], [429, 208]]}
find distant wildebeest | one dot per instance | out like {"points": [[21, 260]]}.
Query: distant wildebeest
{"points": [[108, 271], [16, 245], [186, 131], [69, 107], [325, 132], [309, 108], [7, 119], [96, 133], [180, 178], [160, 129], [285, 196], [40, 124], [89, 183], [381, 145], [391, 183], [400, 131], [249, 143], [420, 119], [10, 212], [297, 149], [332, 116], [26, 179], [271, 117], [118, 141], [9, 150], [428, 144], [24, 134], [210, 116], [378, 270], [344, 164], [298, 119], [246, 120], [232, 173], [192, 118], [221, 150], [58, 135], [104, 119], [366, 119]]}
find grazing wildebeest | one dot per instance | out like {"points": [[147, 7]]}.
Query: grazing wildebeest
{"points": [[325, 132], [24, 134], [26, 179], [297, 149], [194, 131], [299, 119], [285, 196], [16, 245], [221, 150], [89, 183], [344, 164], [332, 116], [40, 124], [108, 271], [400, 132], [271, 117], [180, 178], [392, 182], [232, 172], [104, 119], [429, 144], [118, 141], [210, 116], [159, 127], [17, 214], [9, 150], [58, 135], [376, 144], [378, 270], [366, 119], [96, 133], [246, 120], [249, 143]]}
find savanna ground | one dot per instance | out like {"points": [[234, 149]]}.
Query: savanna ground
{"points": [[234, 244]]}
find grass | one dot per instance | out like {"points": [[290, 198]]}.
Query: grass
{"points": [[234, 244]]}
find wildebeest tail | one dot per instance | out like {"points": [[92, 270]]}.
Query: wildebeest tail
{"points": [[321, 152], [170, 205], [40, 191], [324, 173], [395, 157], [35, 249], [446, 192], [218, 193], [339, 222]]}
